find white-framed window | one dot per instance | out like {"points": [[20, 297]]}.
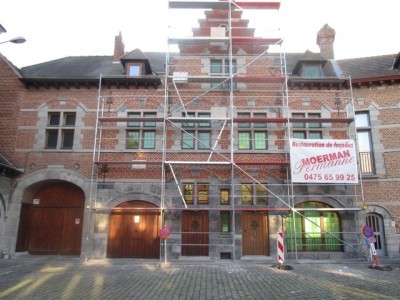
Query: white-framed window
{"points": [[141, 134], [221, 67], [60, 130], [134, 69], [196, 135], [307, 130], [252, 135], [364, 139]]}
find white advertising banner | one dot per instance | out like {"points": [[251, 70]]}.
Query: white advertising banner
{"points": [[323, 161]]}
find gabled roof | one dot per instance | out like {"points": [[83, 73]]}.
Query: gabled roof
{"points": [[309, 58], [138, 56], [134, 55]]}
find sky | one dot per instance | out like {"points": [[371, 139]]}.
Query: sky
{"points": [[57, 28]]}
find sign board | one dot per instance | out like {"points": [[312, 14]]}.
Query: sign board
{"points": [[368, 231], [323, 161], [165, 232]]}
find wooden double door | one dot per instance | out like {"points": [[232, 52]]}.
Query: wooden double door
{"points": [[52, 223], [195, 233], [255, 233], [134, 231]]}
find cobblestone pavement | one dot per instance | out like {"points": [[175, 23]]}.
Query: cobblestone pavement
{"points": [[53, 277]]}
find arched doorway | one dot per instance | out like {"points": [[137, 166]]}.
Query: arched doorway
{"points": [[52, 221], [133, 231], [316, 229], [376, 223]]}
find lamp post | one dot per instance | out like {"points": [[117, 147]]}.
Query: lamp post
{"points": [[16, 40]]}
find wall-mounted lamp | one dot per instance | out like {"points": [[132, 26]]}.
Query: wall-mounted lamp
{"points": [[136, 219], [16, 40]]}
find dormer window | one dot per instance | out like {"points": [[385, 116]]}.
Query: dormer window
{"points": [[311, 71], [134, 69]]}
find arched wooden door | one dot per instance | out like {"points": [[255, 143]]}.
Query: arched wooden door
{"points": [[53, 222], [376, 223], [133, 231]]}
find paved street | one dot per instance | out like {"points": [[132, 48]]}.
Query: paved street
{"points": [[54, 277]]}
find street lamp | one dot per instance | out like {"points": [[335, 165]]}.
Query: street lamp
{"points": [[16, 40]]}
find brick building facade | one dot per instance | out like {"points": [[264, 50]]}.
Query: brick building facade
{"points": [[94, 165]]}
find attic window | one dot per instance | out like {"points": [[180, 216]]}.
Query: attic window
{"points": [[134, 69], [311, 71]]}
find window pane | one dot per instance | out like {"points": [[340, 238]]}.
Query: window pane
{"points": [[69, 119], [188, 193], [224, 196], [260, 124], [315, 135], [261, 194], [204, 124], [202, 194], [67, 139], [134, 70], [299, 134], [246, 192], [244, 141], [225, 221], [204, 140], [149, 115], [132, 140], [134, 115], [260, 140], [314, 125], [216, 66], [189, 115], [51, 139], [187, 140], [311, 72], [244, 115], [54, 119], [312, 230], [234, 66], [362, 119], [298, 125], [149, 140], [331, 225]]}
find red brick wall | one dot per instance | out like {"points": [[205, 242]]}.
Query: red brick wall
{"points": [[11, 94]]}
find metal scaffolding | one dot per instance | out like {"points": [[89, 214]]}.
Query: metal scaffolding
{"points": [[222, 126]]}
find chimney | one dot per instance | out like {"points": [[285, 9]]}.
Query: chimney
{"points": [[119, 47], [325, 39]]}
